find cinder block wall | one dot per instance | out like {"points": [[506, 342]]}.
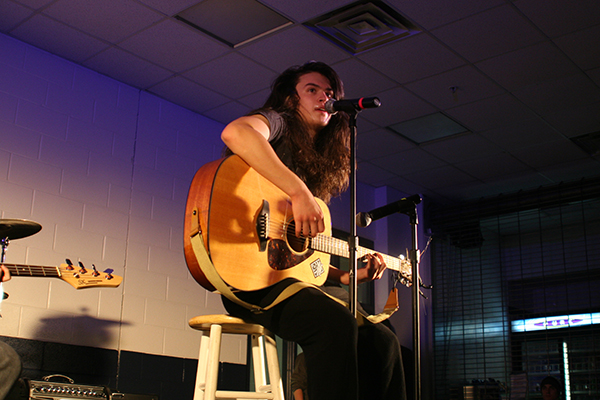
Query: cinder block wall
{"points": [[105, 169]]}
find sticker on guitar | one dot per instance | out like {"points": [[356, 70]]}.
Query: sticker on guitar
{"points": [[317, 268]]}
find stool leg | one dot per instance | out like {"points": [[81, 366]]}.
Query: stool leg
{"points": [[212, 368], [273, 363], [202, 363], [258, 362]]}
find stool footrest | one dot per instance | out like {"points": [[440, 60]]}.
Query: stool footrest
{"points": [[242, 395], [262, 389]]}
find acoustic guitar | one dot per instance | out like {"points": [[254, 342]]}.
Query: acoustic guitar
{"points": [[248, 231]]}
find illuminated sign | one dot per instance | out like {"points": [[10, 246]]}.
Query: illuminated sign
{"points": [[562, 321]]}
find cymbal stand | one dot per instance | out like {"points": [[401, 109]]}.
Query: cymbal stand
{"points": [[4, 242]]}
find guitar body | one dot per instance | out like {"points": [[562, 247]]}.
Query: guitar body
{"points": [[225, 202]]}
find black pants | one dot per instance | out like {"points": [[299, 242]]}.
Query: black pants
{"points": [[342, 360]]}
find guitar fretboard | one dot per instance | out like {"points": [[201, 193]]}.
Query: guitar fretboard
{"points": [[338, 247], [32, 270]]}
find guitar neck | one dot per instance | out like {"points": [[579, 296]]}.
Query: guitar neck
{"points": [[33, 270], [338, 247]]}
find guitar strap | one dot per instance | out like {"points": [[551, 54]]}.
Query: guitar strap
{"points": [[213, 277]]}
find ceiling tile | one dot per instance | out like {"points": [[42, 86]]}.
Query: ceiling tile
{"points": [[379, 143], [170, 7], [233, 22], [397, 105], [74, 45], [527, 66], [504, 184], [11, 14], [188, 94], [364, 126], [294, 46], [257, 99], [367, 172], [174, 46], [441, 177], [546, 154], [428, 128], [563, 93], [413, 58], [489, 33], [126, 67], [434, 13], [403, 185], [458, 86], [490, 113], [559, 17], [576, 121], [524, 134], [564, 172], [408, 162], [111, 21], [300, 11], [460, 147], [491, 166], [595, 75], [35, 4], [582, 47], [361, 80], [227, 112], [233, 75]]}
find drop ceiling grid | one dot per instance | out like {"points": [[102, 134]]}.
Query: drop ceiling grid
{"points": [[527, 74]]}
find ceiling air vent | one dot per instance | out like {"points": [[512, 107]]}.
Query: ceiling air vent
{"points": [[362, 26], [590, 143]]}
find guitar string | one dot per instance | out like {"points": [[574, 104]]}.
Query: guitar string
{"points": [[39, 269], [17, 269], [331, 245]]}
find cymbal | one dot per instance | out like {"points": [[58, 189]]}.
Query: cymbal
{"points": [[18, 228]]}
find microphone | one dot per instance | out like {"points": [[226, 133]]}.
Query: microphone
{"points": [[404, 205], [351, 105]]}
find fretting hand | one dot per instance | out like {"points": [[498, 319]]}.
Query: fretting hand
{"points": [[373, 270], [4, 274]]}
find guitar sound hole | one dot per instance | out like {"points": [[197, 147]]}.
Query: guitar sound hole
{"points": [[280, 257], [297, 244]]}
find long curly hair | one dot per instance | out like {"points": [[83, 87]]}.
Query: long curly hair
{"points": [[323, 162]]}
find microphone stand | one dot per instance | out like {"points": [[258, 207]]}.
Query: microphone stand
{"points": [[353, 238], [352, 247], [416, 283]]}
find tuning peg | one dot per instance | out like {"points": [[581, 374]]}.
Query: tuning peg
{"points": [[108, 275], [69, 264], [95, 273], [82, 269], [421, 284]]}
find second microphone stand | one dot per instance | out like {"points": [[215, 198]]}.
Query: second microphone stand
{"points": [[353, 238], [414, 258]]}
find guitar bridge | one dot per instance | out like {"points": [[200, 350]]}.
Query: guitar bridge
{"points": [[262, 225]]}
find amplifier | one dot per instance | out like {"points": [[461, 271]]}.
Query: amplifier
{"points": [[46, 390]]}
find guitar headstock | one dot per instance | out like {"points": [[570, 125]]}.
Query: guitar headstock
{"points": [[80, 277], [405, 271]]}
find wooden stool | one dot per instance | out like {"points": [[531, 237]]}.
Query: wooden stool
{"points": [[212, 327]]}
